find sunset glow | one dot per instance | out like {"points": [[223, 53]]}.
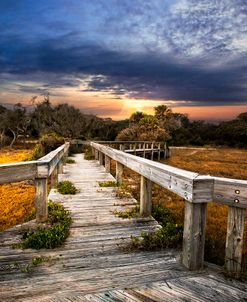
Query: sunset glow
{"points": [[112, 58]]}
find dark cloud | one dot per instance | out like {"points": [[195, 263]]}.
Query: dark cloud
{"points": [[172, 50]]}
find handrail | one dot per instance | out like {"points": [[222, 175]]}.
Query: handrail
{"points": [[197, 190], [38, 170]]}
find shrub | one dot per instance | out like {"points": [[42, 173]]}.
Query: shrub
{"points": [[50, 142], [108, 184], [37, 152], [51, 234], [88, 155], [66, 187], [70, 161]]}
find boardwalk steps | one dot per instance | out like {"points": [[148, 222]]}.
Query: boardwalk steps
{"points": [[92, 266]]}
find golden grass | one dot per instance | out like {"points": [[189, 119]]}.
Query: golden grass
{"points": [[10, 156], [16, 200]]}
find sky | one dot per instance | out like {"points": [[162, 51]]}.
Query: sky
{"points": [[114, 57]]}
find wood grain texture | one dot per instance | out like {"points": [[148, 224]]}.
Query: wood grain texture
{"points": [[41, 199], [92, 266], [194, 235], [234, 240], [145, 197]]}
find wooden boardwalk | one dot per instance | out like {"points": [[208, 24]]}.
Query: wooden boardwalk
{"points": [[92, 266]]}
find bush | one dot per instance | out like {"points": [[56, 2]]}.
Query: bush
{"points": [[49, 235], [105, 184], [88, 155], [169, 235], [70, 161], [50, 142], [66, 187], [37, 152]]}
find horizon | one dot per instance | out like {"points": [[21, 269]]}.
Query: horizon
{"points": [[113, 58]]}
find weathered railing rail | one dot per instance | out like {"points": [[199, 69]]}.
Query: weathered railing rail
{"points": [[145, 149], [197, 190], [39, 171]]}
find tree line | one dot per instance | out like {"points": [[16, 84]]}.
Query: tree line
{"points": [[164, 125]]}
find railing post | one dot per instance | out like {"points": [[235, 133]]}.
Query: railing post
{"points": [[101, 160], [144, 150], [96, 154], [107, 164], [60, 167], [121, 147], [41, 199], [54, 177], [234, 240], [145, 196], [195, 222], [152, 152], [194, 235], [119, 173], [159, 152]]}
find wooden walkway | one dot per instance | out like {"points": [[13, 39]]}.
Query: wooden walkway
{"points": [[92, 266]]}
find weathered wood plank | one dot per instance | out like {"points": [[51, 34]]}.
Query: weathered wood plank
{"points": [[107, 164], [234, 240], [119, 173], [17, 172], [41, 199], [145, 197], [194, 235]]}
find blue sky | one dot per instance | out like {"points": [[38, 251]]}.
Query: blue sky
{"points": [[105, 56]]}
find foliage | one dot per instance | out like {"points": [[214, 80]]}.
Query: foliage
{"points": [[124, 191], [50, 142], [108, 184], [88, 155], [169, 235], [37, 152], [70, 161], [66, 187], [50, 235], [129, 213]]}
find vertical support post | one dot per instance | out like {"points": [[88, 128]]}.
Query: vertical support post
{"points": [[41, 199], [107, 164], [121, 147], [60, 167], [194, 235], [54, 177], [135, 149], [234, 240], [96, 154], [159, 152], [119, 173], [101, 160], [145, 197], [152, 151], [144, 150]]}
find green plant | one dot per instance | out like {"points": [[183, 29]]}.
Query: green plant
{"points": [[88, 155], [37, 153], [66, 187], [162, 214], [107, 183], [169, 236], [70, 161], [124, 191], [129, 213], [50, 142], [37, 260], [51, 234]]}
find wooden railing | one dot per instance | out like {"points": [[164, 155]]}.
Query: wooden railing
{"points": [[197, 190], [142, 148], [39, 171]]}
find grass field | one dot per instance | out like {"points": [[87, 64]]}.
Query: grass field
{"points": [[230, 163], [17, 199]]}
